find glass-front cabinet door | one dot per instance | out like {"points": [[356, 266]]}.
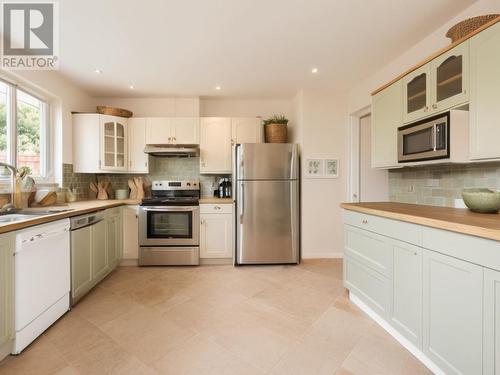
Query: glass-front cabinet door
{"points": [[450, 78], [113, 150], [416, 96]]}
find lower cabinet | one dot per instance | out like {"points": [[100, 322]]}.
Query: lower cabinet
{"points": [[216, 231], [130, 236], [491, 343], [407, 291], [447, 309], [95, 251], [453, 313], [7, 247]]}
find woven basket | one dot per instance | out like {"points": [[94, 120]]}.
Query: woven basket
{"points": [[113, 111], [468, 26], [275, 133]]}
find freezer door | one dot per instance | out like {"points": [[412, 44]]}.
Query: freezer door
{"points": [[266, 161], [267, 222]]}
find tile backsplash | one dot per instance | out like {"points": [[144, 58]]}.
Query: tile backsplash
{"points": [[160, 168], [440, 185]]}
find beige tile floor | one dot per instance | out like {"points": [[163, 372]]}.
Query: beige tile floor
{"points": [[217, 320]]}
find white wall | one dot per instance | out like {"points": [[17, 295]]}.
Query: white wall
{"points": [[156, 107], [359, 96], [65, 97], [245, 107], [323, 133]]}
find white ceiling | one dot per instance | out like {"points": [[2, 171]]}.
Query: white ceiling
{"points": [[251, 48]]}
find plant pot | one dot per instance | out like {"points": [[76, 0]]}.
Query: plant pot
{"points": [[275, 133]]}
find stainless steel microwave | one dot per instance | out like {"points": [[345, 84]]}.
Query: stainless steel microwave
{"points": [[427, 139]]}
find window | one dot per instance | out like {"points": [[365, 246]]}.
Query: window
{"points": [[23, 130]]}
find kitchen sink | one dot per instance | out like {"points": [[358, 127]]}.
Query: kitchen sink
{"points": [[27, 214]]}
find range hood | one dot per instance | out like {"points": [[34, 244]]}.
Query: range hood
{"points": [[183, 151]]}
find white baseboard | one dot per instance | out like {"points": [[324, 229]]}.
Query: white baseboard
{"points": [[399, 338], [323, 255]]}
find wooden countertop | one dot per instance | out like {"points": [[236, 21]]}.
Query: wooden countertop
{"points": [[77, 208], [459, 220], [213, 200]]}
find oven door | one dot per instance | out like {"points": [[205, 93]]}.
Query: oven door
{"points": [[424, 141], [169, 226]]}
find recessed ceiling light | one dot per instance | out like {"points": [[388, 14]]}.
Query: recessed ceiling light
{"points": [[218, 88], [131, 87], [314, 70], [98, 71]]}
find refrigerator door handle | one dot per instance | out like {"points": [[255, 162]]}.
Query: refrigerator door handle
{"points": [[242, 212]]}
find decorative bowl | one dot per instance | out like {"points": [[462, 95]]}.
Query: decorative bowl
{"points": [[482, 200]]}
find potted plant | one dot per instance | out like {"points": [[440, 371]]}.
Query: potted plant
{"points": [[275, 129]]}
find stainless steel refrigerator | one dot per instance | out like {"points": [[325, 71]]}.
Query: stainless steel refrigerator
{"points": [[267, 203]]}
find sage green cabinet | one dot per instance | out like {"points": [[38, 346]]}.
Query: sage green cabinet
{"points": [[386, 118], [82, 278], [484, 91], [96, 250], [113, 239], [491, 351], [407, 291], [453, 313], [99, 250], [7, 246]]}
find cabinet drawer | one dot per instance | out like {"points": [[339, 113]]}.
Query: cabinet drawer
{"points": [[368, 285], [216, 208], [469, 248], [399, 230], [369, 248]]}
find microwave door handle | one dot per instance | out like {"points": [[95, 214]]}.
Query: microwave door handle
{"points": [[434, 135]]}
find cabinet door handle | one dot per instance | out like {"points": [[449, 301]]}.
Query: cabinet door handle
{"points": [[169, 139], [434, 106], [146, 164], [426, 108], [364, 221], [217, 207], [202, 222]]}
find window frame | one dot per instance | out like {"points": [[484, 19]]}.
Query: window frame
{"points": [[46, 161]]}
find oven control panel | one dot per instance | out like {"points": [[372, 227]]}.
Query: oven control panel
{"points": [[176, 185]]}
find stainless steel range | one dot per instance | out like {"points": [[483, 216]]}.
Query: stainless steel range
{"points": [[169, 230]]}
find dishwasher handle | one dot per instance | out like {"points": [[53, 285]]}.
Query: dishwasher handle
{"points": [[44, 235]]}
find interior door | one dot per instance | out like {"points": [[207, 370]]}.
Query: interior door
{"points": [[267, 222]]}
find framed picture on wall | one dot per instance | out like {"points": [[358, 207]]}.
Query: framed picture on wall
{"points": [[315, 168], [331, 168]]}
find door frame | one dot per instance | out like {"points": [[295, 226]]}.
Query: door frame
{"points": [[354, 133]]}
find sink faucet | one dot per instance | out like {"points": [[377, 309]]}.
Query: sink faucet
{"points": [[10, 206]]}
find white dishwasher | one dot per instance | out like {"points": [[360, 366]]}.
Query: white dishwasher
{"points": [[42, 279]]}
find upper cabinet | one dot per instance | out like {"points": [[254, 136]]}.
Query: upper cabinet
{"points": [[386, 117], [215, 145], [438, 85], [99, 143], [247, 130], [484, 92], [450, 78], [138, 161], [173, 130], [416, 94]]}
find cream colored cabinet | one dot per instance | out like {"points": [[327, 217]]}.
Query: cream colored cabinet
{"points": [[7, 247], [216, 231], [453, 313], [450, 79], [138, 161], [172, 130], [215, 145], [131, 233], [491, 351], [386, 118], [484, 92], [158, 130], [82, 279], [99, 143], [416, 94], [246, 130]]}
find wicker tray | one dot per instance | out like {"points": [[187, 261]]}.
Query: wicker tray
{"points": [[468, 26], [113, 111]]}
